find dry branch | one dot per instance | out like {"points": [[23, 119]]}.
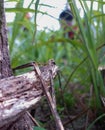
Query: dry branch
{"points": [[20, 93], [50, 98]]}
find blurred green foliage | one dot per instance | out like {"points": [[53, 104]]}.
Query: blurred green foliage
{"points": [[38, 128]]}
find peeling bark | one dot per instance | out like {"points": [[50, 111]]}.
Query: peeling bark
{"points": [[24, 91]]}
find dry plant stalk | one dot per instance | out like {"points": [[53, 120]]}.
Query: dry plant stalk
{"points": [[19, 93], [50, 97]]}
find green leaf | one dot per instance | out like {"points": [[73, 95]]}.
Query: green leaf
{"points": [[19, 9], [38, 128], [35, 19], [92, 124]]}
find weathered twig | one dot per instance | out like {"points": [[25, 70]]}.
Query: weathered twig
{"points": [[33, 119], [20, 93], [50, 99]]}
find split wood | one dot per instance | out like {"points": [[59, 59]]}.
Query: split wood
{"points": [[20, 93]]}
